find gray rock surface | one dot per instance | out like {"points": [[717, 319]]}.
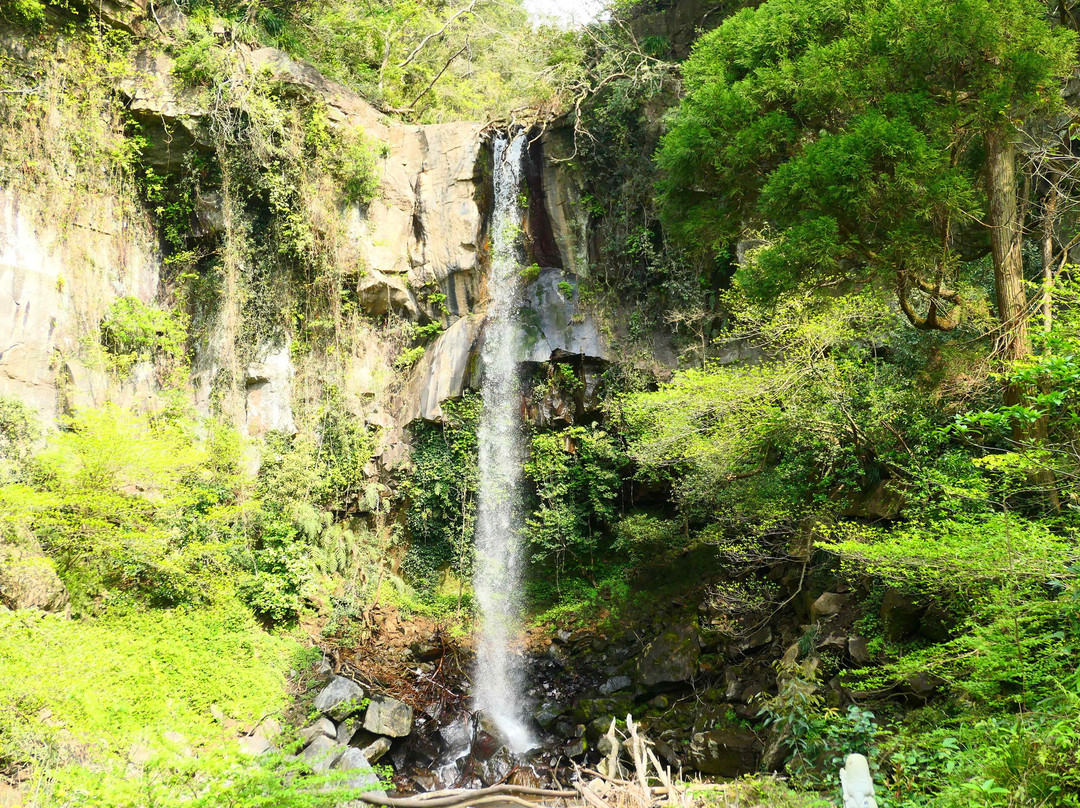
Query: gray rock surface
{"points": [[269, 390], [348, 729], [859, 650], [670, 658], [724, 752], [827, 604], [377, 749], [324, 726], [387, 716], [340, 698], [900, 614], [615, 684], [555, 324], [352, 760], [254, 745], [55, 281], [444, 371], [563, 187], [322, 753]]}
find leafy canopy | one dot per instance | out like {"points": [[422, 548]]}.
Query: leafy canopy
{"points": [[847, 136]]}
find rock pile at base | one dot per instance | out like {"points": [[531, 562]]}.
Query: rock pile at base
{"points": [[352, 733]]}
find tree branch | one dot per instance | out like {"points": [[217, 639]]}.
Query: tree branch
{"points": [[438, 75], [439, 33]]}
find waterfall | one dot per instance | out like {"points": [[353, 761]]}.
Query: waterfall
{"points": [[497, 678]]}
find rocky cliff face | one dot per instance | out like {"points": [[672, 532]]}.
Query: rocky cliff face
{"points": [[57, 278], [416, 253]]}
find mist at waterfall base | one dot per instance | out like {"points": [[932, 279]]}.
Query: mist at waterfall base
{"points": [[498, 674]]}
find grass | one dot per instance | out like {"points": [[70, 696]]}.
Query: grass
{"points": [[83, 692]]}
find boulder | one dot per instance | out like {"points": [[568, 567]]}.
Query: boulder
{"points": [[339, 699], [381, 293], [885, 500], [547, 713], [28, 580], [615, 684], [936, 624], [495, 768], [670, 658], [575, 748], [725, 752], [443, 373], [900, 615], [363, 776], [322, 753], [485, 745], [348, 728], [858, 650], [268, 402], [827, 605], [425, 650], [324, 726], [758, 639], [387, 716], [377, 749], [254, 745]]}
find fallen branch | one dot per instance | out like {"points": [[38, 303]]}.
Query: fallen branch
{"points": [[613, 780], [590, 796], [468, 797]]}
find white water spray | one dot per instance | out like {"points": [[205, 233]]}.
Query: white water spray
{"points": [[497, 680]]}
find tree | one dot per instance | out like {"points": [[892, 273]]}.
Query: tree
{"points": [[867, 143]]}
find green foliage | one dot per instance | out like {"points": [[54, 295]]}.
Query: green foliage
{"points": [[302, 480], [197, 62], [19, 432], [575, 472], [818, 738], [133, 331], [432, 60], [25, 11], [757, 443], [643, 536], [345, 153], [601, 600], [441, 493], [848, 137], [216, 778], [127, 677], [129, 504], [410, 357]]}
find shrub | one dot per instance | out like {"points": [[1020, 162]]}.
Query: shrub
{"points": [[19, 430], [129, 504], [133, 331]]}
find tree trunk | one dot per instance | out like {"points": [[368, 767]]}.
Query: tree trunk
{"points": [[1015, 340]]}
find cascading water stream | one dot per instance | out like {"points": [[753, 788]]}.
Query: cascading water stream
{"points": [[497, 680]]}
